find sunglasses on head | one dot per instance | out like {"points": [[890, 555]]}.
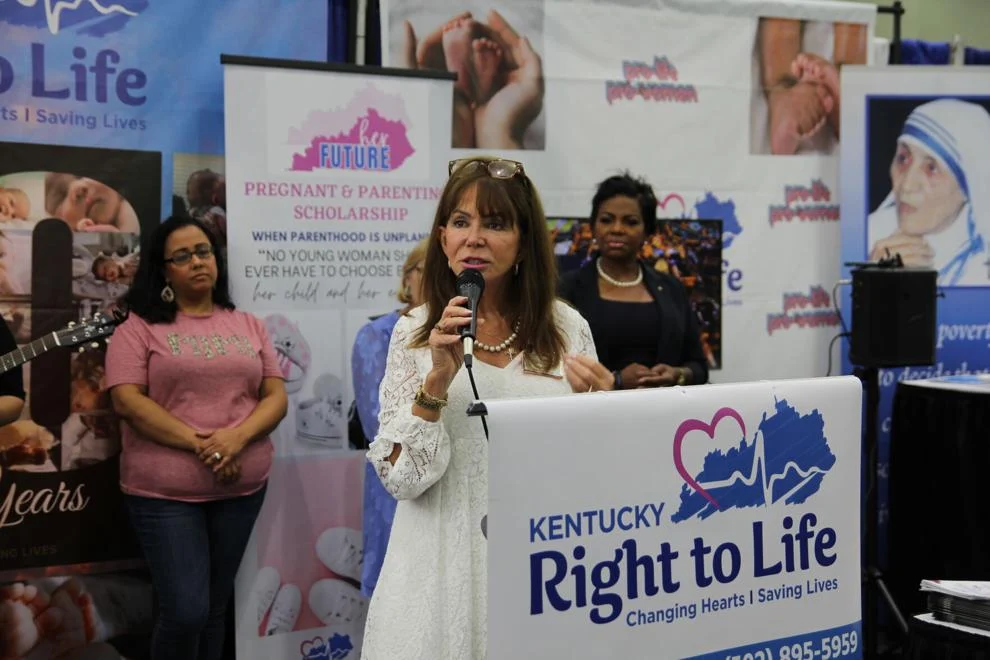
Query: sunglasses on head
{"points": [[500, 168]]}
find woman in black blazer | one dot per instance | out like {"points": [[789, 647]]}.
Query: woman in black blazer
{"points": [[642, 322]]}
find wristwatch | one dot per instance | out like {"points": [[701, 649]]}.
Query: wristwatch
{"points": [[682, 379]]}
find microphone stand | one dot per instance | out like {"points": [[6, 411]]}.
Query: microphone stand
{"points": [[471, 285], [477, 409]]}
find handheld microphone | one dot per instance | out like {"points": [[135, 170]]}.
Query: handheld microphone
{"points": [[471, 285]]}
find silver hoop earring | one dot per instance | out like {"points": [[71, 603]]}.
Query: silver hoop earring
{"points": [[168, 295], [517, 268]]}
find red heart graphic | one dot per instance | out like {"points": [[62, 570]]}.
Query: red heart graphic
{"points": [[309, 644], [662, 203], [689, 425]]}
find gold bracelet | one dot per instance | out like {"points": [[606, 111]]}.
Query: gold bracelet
{"points": [[428, 401], [682, 379]]}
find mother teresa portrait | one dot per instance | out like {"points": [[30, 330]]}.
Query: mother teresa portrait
{"points": [[937, 214]]}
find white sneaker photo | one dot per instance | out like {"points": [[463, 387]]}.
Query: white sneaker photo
{"points": [[285, 611], [337, 603], [341, 549]]}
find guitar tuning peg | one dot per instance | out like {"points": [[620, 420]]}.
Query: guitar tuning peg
{"points": [[82, 349], [95, 344], [107, 341], [72, 324]]}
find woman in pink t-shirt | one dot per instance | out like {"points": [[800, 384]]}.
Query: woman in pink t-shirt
{"points": [[199, 388]]}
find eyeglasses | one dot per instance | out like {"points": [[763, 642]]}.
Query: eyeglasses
{"points": [[204, 251], [500, 168]]}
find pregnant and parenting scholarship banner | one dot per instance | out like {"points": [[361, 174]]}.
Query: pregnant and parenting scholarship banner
{"points": [[915, 168], [332, 175], [722, 522]]}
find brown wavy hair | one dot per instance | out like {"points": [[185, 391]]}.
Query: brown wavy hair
{"points": [[412, 259], [531, 293]]}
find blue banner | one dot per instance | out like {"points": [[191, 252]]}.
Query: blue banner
{"points": [[137, 74], [914, 171]]}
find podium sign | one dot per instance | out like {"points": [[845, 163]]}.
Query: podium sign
{"points": [[706, 522]]}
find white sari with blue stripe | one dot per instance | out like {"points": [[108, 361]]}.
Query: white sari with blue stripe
{"points": [[957, 135]]}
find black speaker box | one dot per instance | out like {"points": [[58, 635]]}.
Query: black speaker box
{"points": [[893, 317]]}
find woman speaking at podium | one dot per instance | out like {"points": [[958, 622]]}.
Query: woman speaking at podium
{"points": [[644, 328], [431, 597]]}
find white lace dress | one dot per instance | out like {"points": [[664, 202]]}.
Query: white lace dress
{"points": [[432, 596]]}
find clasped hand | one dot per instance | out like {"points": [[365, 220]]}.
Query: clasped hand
{"points": [[636, 376], [915, 251], [225, 443]]}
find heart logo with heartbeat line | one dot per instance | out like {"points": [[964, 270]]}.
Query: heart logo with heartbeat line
{"points": [[689, 425], [672, 197]]}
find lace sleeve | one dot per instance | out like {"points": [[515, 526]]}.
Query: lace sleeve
{"points": [[578, 332], [425, 445], [584, 343]]}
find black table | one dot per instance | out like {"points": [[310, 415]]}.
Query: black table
{"points": [[939, 487], [930, 639]]}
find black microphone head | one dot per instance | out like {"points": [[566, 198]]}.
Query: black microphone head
{"points": [[470, 283]]}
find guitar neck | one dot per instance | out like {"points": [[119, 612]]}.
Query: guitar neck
{"points": [[19, 356]]}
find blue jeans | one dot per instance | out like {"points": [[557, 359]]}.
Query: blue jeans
{"points": [[193, 551]]}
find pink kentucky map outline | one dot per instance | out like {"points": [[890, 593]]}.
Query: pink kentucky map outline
{"points": [[356, 137]]}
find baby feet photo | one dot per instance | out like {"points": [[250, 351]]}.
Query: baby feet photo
{"points": [[475, 58], [808, 67], [499, 91], [795, 107]]}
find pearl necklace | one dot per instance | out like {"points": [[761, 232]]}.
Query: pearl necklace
{"points": [[498, 348], [614, 282]]}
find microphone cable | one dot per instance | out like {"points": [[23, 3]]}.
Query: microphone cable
{"points": [[474, 390]]}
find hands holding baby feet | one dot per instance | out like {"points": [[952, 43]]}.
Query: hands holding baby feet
{"points": [[475, 58], [25, 619], [798, 111], [801, 106], [808, 67], [499, 88], [28, 616]]}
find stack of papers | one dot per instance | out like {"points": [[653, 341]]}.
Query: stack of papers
{"points": [[958, 588], [961, 602]]}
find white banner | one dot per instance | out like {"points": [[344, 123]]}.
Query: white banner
{"points": [[720, 522], [697, 97], [332, 177]]}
